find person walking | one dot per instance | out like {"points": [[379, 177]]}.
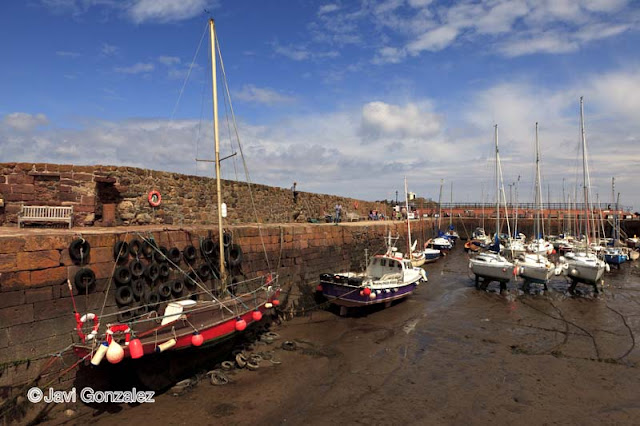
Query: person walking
{"points": [[338, 212], [295, 192]]}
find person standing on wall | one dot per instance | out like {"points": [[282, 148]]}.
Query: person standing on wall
{"points": [[294, 192], [338, 211]]}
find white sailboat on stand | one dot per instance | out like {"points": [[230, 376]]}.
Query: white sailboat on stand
{"points": [[535, 267], [583, 265], [490, 266]]}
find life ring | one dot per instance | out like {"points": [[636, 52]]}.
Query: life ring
{"points": [[119, 328], [81, 320], [154, 198]]}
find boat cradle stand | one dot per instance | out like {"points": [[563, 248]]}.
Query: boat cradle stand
{"points": [[596, 290], [483, 282]]}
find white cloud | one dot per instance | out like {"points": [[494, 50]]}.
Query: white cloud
{"points": [[381, 120], [433, 40], [25, 122], [169, 60], [389, 55], [539, 43], [251, 93], [137, 68], [328, 8], [166, 10], [109, 49]]}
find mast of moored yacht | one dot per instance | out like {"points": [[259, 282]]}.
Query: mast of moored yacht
{"points": [[406, 200], [497, 185], [216, 138], [584, 173], [536, 226]]}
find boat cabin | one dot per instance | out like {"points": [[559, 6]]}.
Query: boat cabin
{"points": [[380, 266]]}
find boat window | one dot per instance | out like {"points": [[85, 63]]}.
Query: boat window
{"points": [[375, 260], [398, 265], [383, 262]]}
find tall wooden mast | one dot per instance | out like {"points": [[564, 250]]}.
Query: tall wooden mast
{"points": [[216, 138]]}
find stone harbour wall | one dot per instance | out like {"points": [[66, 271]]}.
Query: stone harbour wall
{"points": [[110, 195], [36, 308]]}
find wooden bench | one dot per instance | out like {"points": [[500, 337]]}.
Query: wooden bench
{"points": [[45, 214]]}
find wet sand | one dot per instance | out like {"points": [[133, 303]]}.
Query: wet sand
{"points": [[449, 354]]}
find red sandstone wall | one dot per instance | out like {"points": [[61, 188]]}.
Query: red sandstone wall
{"points": [[185, 199], [36, 310]]}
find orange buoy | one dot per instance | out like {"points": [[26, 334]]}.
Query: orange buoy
{"points": [[135, 349], [197, 339], [256, 315], [275, 302], [241, 324], [367, 291]]}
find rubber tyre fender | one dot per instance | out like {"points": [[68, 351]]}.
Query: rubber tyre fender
{"points": [[227, 239], [207, 247], [152, 298], [204, 271], [163, 270], [189, 253], [79, 250], [142, 310], [124, 295], [137, 268], [152, 271], [147, 249], [177, 287], [134, 247], [164, 289], [125, 316], [189, 280], [161, 254], [234, 281], [122, 275], [138, 287], [121, 251], [234, 255], [174, 255], [84, 279]]}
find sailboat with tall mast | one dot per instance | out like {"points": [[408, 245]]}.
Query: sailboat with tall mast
{"points": [[583, 265], [417, 257], [534, 266], [184, 322], [492, 266], [451, 233]]}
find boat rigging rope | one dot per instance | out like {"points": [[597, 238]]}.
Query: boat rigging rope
{"points": [[244, 163], [188, 73], [206, 290], [115, 265]]}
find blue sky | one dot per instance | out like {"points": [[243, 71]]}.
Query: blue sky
{"points": [[342, 97]]}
